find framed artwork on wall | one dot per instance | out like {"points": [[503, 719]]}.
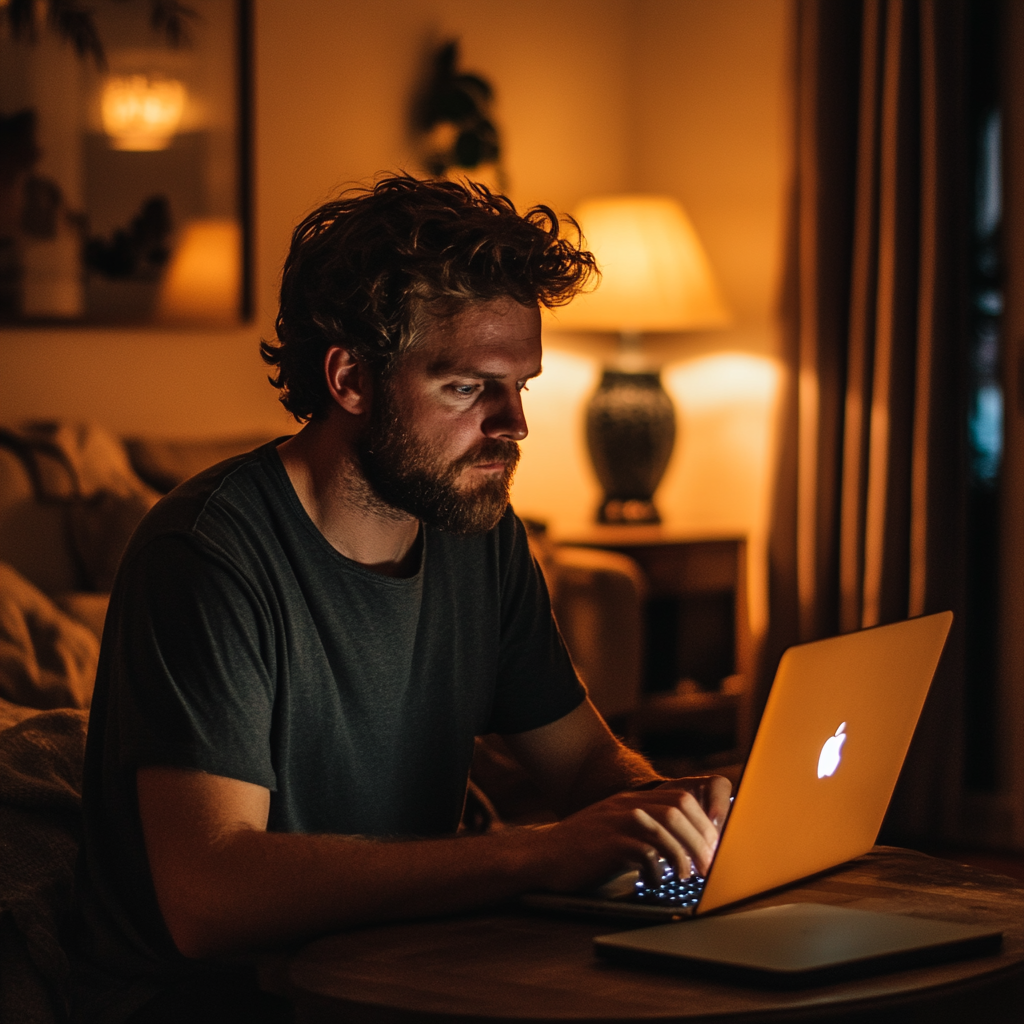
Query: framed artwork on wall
{"points": [[124, 163]]}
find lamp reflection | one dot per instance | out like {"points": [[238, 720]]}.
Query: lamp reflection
{"points": [[141, 113], [204, 278]]}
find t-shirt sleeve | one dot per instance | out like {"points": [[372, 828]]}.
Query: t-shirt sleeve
{"points": [[193, 665], [537, 683]]}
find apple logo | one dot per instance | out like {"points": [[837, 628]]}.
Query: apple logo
{"points": [[828, 760]]}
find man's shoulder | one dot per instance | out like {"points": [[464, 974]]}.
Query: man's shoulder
{"points": [[233, 496]]}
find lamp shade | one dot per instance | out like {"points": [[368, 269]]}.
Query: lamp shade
{"points": [[203, 281], [655, 275]]}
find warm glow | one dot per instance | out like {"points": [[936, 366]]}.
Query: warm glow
{"points": [[555, 481], [142, 113], [725, 378], [719, 482], [204, 279], [720, 478], [655, 275]]}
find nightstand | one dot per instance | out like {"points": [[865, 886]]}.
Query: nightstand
{"points": [[694, 710]]}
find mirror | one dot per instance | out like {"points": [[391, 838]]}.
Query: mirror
{"points": [[124, 164]]}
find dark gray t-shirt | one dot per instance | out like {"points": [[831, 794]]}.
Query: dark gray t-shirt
{"points": [[240, 643]]}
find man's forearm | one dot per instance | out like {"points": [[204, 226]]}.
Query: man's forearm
{"points": [[577, 760], [610, 767], [256, 889]]}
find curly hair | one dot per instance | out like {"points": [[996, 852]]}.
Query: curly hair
{"points": [[365, 268]]}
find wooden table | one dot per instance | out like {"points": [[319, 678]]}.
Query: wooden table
{"points": [[518, 967]]}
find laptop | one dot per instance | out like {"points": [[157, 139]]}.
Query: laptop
{"points": [[798, 944], [835, 731]]}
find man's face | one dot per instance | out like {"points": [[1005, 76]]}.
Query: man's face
{"points": [[441, 444]]}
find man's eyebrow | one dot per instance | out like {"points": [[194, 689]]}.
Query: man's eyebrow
{"points": [[445, 369]]}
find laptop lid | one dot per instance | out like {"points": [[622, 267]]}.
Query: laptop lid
{"points": [[829, 749]]}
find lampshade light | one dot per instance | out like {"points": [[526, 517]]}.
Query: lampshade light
{"points": [[655, 274], [141, 113], [655, 277], [203, 281]]}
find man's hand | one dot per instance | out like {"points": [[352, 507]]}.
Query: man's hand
{"points": [[635, 829], [614, 818], [713, 793]]}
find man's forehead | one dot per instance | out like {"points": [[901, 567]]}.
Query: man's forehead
{"points": [[483, 338]]}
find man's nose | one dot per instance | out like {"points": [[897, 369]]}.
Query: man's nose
{"points": [[506, 419]]}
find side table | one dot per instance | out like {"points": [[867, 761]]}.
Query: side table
{"points": [[697, 627]]}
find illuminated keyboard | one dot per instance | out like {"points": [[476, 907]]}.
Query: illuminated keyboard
{"points": [[670, 891]]}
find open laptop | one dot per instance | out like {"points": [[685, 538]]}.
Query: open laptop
{"points": [[823, 766]]}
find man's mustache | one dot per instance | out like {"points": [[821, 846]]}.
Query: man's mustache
{"points": [[491, 449]]}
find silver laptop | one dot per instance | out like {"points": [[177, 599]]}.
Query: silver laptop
{"points": [[822, 769], [799, 944]]}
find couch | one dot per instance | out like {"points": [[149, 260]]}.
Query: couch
{"points": [[70, 496]]}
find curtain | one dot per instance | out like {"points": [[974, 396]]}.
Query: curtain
{"points": [[870, 503]]}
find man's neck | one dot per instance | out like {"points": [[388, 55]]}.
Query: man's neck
{"points": [[322, 465]]}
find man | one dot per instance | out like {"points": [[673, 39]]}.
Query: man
{"points": [[304, 641]]}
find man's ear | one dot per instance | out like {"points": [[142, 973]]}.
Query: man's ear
{"points": [[348, 380]]}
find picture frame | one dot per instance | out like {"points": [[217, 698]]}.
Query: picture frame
{"points": [[125, 168]]}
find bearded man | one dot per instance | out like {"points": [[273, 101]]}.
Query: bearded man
{"points": [[304, 641]]}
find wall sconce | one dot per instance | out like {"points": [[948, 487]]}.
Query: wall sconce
{"points": [[655, 277], [141, 113]]}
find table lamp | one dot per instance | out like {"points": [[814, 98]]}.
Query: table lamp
{"points": [[655, 278]]}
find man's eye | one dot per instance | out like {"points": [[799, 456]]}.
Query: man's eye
{"points": [[464, 389], [521, 386]]}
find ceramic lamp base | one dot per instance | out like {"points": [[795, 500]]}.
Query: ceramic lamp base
{"points": [[631, 428]]}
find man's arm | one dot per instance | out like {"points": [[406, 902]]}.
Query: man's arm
{"points": [[225, 884], [578, 761]]}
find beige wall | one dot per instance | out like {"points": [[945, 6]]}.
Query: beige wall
{"points": [[689, 97]]}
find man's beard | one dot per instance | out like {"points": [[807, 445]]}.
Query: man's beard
{"points": [[408, 476]]}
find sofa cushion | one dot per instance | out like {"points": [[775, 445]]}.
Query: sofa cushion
{"points": [[101, 527], [164, 463], [72, 459], [33, 534]]}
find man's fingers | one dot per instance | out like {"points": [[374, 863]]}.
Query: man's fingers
{"points": [[699, 837], [690, 827], [686, 821], [654, 867], [670, 847], [689, 821], [711, 791], [719, 800]]}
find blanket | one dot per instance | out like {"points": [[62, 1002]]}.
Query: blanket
{"points": [[40, 832], [47, 659]]}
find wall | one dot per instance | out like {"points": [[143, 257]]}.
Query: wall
{"points": [[710, 94], [689, 97]]}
